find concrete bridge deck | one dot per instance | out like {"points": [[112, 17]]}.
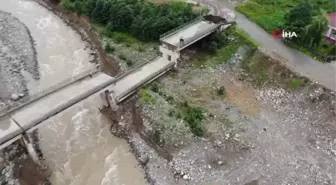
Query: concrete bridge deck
{"points": [[193, 31], [126, 85], [190, 34], [31, 115], [28, 116]]}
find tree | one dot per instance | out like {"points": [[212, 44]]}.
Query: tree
{"points": [[122, 19], [162, 25], [298, 18], [315, 31], [78, 7], [88, 7], [100, 13]]}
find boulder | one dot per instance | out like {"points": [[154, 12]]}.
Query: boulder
{"points": [[15, 96], [144, 159]]}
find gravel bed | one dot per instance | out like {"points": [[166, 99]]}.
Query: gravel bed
{"points": [[17, 56]]}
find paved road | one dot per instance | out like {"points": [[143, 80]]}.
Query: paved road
{"points": [[324, 74]]}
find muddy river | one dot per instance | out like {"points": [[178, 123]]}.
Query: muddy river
{"points": [[80, 149], [61, 53], [77, 144]]}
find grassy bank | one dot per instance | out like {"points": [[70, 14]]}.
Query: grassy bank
{"points": [[263, 71], [231, 40], [259, 69]]}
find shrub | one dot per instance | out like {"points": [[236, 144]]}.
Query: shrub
{"points": [[146, 97], [178, 115], [221, 91], [296, 83], [107, 32], [141, 49], [332, 51], [122, 56], [68, 4], [156, 136], [170, 99], [194, 117], [171, 113], [109, 48], [154, 87], [119, 38], [185, 104], [129, 62]]}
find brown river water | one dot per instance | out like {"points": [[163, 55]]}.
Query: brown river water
{"points": [[77, 144]]}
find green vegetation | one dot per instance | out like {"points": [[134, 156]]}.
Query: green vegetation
{"points": [[193, 116], [155, 87], [143, 19], [140, 49], [296, 83], [122, 56], [244, 36], [123, 38], [264, 71], [109, 48], [307, 18], [271, 14], [146, 96], [175, 113], [223, 47], [129, 62], [221, 91], [314, 32]]}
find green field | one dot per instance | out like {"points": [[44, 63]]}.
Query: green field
{"points": [[269, 14]]}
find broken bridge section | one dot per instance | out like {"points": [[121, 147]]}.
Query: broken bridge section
{"points": [[128, 84], [178, 39]]}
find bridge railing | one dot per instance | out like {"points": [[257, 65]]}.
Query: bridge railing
{"points": [[197, 37], [150, 78], [133, 68], [171, 32], [28, 99]]}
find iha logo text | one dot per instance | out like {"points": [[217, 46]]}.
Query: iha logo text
{"points": [[278, 34]]}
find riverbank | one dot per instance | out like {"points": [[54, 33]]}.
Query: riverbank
{"points": [[260, 127], [262, 134]]}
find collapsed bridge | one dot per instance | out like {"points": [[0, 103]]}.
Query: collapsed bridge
{"points": [[16, 123]]}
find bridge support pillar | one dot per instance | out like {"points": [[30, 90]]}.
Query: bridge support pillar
{"points": [[113, 111], [111, 100], [30, 148]]}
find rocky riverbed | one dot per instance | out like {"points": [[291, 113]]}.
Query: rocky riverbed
{"points": [[253, 135], [17, 55]]}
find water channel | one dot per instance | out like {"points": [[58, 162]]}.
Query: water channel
{"points": [[61, 53]]}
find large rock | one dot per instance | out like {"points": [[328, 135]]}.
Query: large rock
{"points": [[15, 96], [144, 159]]}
